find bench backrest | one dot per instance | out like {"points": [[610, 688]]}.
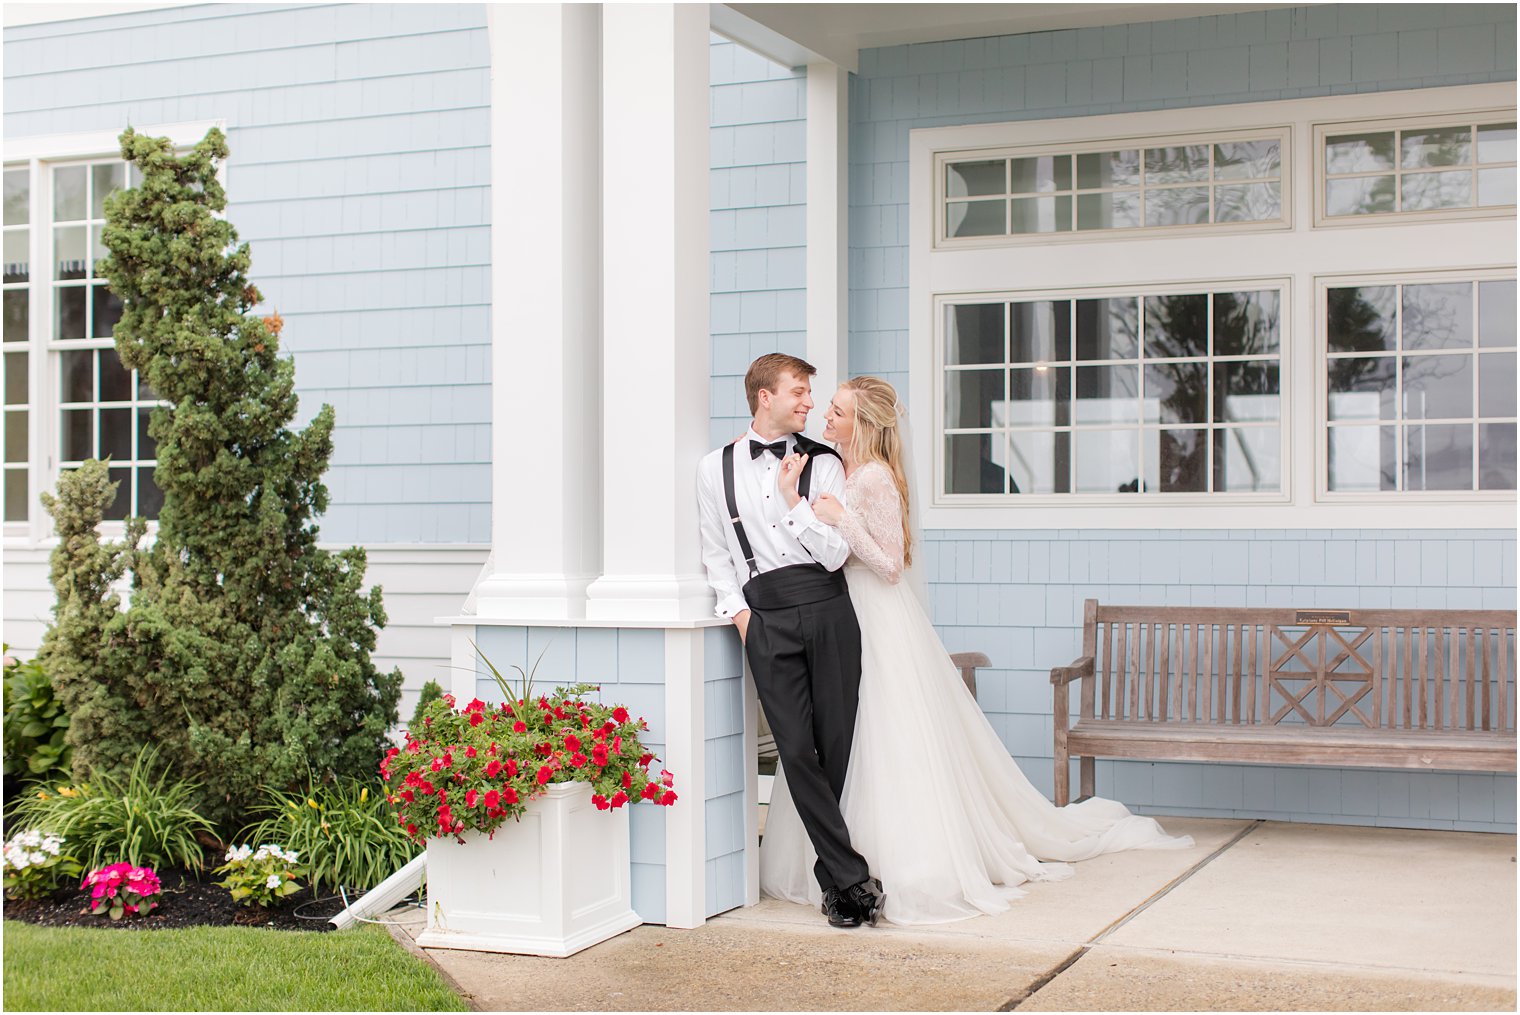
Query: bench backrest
{"points": [[1379, 669]]}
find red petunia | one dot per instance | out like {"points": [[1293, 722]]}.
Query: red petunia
{"points": [[572, 743], [493, 768], [545, 773], [509, 795], [628, 780], [519, 727], [492, 799], [476, 718], [669, 798], [620, 714], [475, 705], [511, 767], [650, 791], [469, 752], [470, 798], [645, 760], [600, 801], [619, 798], [577, 760], [599, 754]]}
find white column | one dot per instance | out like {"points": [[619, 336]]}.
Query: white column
{"points": [[686, 756], [655, 362], [545, 310], [828, 237]]}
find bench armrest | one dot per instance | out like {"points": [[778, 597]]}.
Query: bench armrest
{"points": [[1079, 668]]}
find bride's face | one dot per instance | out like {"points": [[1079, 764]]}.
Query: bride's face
{"points": [[839, 421]]}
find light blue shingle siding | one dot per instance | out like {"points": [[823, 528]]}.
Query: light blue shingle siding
{"points": [[360, 175], [758, 225]]}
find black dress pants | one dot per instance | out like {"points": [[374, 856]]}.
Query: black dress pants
{"points": [[806, 662]]}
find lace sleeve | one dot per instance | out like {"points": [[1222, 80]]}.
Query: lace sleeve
{"points": [[872, 522]]}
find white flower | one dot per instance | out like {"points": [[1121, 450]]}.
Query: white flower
{"points": [[38, 856], [273, 882], [291, 856]]}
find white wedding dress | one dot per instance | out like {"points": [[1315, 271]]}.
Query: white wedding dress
{"points": [[933, 801]]}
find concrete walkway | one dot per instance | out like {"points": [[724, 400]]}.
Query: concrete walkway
{"points": [[1257, 916]]}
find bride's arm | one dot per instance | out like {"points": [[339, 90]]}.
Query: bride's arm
{"points": [[872, 523]]}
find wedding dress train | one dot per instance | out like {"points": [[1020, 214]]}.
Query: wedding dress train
{"points": [[933, 800]]}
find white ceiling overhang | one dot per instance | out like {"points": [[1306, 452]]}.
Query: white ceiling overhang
{"points": [[797, 34]]}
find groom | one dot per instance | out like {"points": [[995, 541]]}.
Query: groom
{"points": [[776, 570]]}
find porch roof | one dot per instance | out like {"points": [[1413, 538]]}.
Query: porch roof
{"points": [[797, 34]]}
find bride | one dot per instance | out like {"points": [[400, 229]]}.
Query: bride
{"points": [[932, 799]]}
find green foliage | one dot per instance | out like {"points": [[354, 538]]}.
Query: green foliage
{"points": [[244, 654], [216, 968], [143, 819], [431, 692], [344, 831], [35, 726]]}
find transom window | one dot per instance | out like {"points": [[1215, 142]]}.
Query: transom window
{"points": [[1143, 393], [1420, 383], [1145, 184], [1424, 166]]}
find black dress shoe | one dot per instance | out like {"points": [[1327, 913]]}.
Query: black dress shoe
{"points": [[838, 909], [867, 898]]}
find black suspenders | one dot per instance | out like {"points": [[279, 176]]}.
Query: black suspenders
{"points": [[733, 509], [804, 484]]}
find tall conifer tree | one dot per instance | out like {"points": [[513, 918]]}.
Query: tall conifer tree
{"points": [[244, 652]]}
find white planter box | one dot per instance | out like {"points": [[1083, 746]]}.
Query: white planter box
{"points": [[553, 883]]}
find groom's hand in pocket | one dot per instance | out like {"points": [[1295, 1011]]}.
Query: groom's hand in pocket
{"points": [[741, 621]]}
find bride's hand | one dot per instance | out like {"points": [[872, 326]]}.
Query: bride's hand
{"points": [[791, 471], [827, 509]]}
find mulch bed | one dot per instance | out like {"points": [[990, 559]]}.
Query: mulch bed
{"points": [[186, 902]]}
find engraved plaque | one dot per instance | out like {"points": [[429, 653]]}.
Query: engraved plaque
{"points": [[1330, 618]]}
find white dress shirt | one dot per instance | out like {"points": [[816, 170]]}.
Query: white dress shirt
{"points": [[779, 537]]}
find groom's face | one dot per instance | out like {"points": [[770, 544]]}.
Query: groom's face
{"points": [[788, 406]]}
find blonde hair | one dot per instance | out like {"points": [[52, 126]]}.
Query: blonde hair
{"points": [[878, 438]]}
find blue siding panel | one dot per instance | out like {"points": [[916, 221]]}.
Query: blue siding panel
{"points": [[757, 224], [360, 176]]}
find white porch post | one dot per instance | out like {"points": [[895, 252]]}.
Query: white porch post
{"points": [[828, 238], [545, 310], [655, 377], [655, 363]]}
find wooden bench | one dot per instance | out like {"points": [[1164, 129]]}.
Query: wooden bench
{"points": [[1420, 689], [966, 662]]}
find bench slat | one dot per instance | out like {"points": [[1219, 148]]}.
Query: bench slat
{"points": [[1462, 753]]}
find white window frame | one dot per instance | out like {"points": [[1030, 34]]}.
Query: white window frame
{"points": [[1323, 284], [1322, 131], [39, 154], [1164, 258], [1279, 132]]}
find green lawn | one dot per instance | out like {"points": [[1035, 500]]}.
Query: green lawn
{"points": [[216, 969]]}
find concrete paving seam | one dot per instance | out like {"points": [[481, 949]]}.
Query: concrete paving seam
{"points": [[1012, 1003]]}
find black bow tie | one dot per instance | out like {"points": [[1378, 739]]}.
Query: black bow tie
{"points": [[756, 449]]}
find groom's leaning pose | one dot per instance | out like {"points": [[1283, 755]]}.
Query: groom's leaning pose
{"points": [[776, 570]]}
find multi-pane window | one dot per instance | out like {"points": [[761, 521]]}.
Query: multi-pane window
{"points": [[103, 408], [1139, 186], [1172, 392], [1418, 168], [17, 356], [1421, 385]]}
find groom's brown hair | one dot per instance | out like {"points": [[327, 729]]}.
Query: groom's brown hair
{"points": [[766, 373]]}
